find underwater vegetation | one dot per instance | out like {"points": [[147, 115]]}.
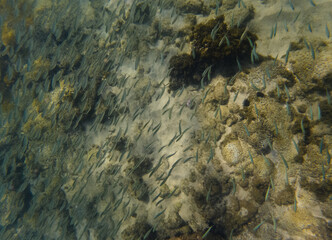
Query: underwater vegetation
{"points": [[214, 45], [93, 146]]}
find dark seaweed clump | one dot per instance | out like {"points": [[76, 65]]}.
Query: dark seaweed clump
{"points": [[187, 69]]}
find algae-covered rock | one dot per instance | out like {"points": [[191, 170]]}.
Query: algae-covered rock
{"points": [[138, 230], [259, 188], [235, 15], [184, 66], [315, 175], [191, 6], [212, 44], [229, 4], [174, 221], [285, 196], [218, 95], [232, 152], [295, 222], [314, 75], [238, 213]]}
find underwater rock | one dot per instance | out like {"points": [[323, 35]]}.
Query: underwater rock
{"points": [[218, 95], [190, 19], [229, 4], [327, 211], [222, 44], [176, 224], [183, 67], [295, 222], [191, 6], [315, 75], [212, 44], [313, 177], [161, 29], [138, 189], [238, 213], [258, 189], [232, 152], [238, 16], [285, 196], [137, 230], [182, 231], [190, 236]]}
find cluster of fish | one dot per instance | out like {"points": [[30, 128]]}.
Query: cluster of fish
{"points": [[66, 82]]}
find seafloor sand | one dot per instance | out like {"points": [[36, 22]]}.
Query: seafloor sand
{"points": [[161, 119]]}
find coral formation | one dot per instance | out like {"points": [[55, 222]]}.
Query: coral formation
{"points": [[214, 45]]}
